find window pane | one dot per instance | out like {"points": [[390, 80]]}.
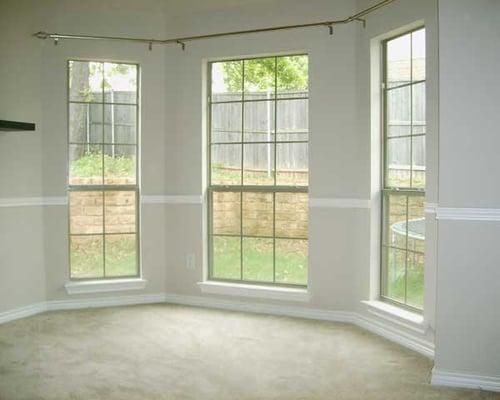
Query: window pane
{"points": [[121, 255], [258, 164], [418, 162], [399, 117], [85, 81], [257, 214], [292, 120], [291, 261], [418, 55], [258, 259], [416, 223], [120, 211], [85, 164], [292, 164], [226, 257], [395, 273], [398, 162], [119, 164], [120, 83], [86, 212], [418, 104], [260, 78], [399, 61], [227, 81], [120, 124], [292, 215], [292, 77], [259, 121], [226, 122], [226, 164], [85, 123], [226, 213], [395, 210], [415, 280], [86, 256]]}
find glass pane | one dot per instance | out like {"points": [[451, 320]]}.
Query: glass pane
{"points": [[291, 261], [258, 164], [292, 161], [292, 215], [415, 280], [399, 111], [119, 164], [398, 162], [85, 164], [226, 257], [120, 211], [86, 256], [120, 83], [227, 81], [418, 103], [86, 212], [292, 120], [85, 123], [226, 213], [259, 121], [395, 209], [394, 284], [260, 78], [121, 255], [292, 77], [226, 122], [258, 259], [399, 61], [418, 162], [416, 223], [85, 81], [120, 124], [257, 214], [226, 164], [418, 55]]}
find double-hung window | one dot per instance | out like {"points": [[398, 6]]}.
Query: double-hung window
{"points": [[258, 170], [403, 230], [103, 174]]}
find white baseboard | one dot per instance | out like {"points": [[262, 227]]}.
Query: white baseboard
{"points": [[461, 380], [22, 312], [110, 301]]}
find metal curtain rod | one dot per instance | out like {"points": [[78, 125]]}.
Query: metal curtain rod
{"points": [[182, 40]]}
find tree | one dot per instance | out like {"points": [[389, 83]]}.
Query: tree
{"points": [[292, 73]]}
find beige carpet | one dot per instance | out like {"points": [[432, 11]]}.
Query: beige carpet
{"points": [[173, 352]]}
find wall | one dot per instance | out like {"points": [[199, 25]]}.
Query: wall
{"points": [[468, 321]]}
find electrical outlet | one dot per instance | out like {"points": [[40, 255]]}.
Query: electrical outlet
{"points": [[191, 261]]}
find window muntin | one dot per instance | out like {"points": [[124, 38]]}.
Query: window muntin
{"points": [[103, 174], [403, 218], [258, 170]]}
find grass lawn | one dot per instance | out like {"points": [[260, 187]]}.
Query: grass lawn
{"points": [[291, 259]]}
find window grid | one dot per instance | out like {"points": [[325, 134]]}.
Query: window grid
{"points": [[408, 192], [243, 188], [105, 187]]}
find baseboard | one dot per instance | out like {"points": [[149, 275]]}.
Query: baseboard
{"points": [[405, 338], [461, 380], [110, 301], [22, 312]]}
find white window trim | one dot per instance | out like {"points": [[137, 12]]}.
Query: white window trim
{"points": [[256, 291], [104, 285], [397, 315]]}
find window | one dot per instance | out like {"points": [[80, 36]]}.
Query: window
{"points": [[403, 230], [103, 170], [258, 170]]}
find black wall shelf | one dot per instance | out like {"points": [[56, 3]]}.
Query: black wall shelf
{"points": [[10, 126]]}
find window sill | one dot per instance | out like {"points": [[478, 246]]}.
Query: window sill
{"points": [[107, 285], [397, 315], [257, 291]]}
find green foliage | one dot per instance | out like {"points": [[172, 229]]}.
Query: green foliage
{"points": [[292, 73], [91, 165]]}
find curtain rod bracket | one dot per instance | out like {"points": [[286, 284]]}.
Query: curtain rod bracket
{"points": [[330, 29], [150, 46], [56, 41], [182, 44]]}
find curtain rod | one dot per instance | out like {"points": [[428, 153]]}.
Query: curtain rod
{"points": [[182, 40]]}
